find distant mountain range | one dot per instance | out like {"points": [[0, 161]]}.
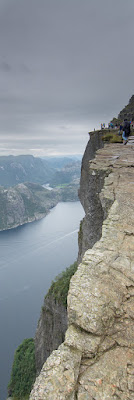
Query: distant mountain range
{"points": [[23, 198], [68, 174], [60, 162], [18, 169], [26, 168]]}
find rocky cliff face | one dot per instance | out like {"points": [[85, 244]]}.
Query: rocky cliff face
{"points": [[51, 330], [126, 112], [53, 318], [52, 324], [24, 203], [90, 187], [96, 360]]}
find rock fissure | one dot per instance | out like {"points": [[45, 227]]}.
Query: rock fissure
{"points": [[97, 356], [129, 233], [125, 274], [82, 330]]}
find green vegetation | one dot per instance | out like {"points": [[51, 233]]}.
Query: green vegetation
{"points": [[112, 137], [80, 233], [23, 371], [116, 139], [59, 288], [62, 185]]}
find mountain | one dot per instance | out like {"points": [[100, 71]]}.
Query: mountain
{"points": [[60, 162], [24, 203], [18, 169], [28, 202], [23, 199], [27, 168], [126, 112], [70, 173]]}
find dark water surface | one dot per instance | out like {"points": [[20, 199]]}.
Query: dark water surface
{"points": [[30, 258]]}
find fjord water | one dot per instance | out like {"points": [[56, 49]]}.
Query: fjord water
{"points": [[31, 256]]}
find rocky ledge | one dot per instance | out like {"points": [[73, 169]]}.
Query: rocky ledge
{"points": [[96, 360]]}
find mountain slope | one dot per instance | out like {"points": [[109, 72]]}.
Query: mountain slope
{"points": [[27, 202], [18, 169], [24, 203], [68, 174], [126, 112]]}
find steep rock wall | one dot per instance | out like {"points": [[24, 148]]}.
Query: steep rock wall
{"points": [[96, 360], [90, 187], [52, 324], [50, 331]]}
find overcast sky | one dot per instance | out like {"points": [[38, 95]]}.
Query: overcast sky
{"points": [[65, 67]]}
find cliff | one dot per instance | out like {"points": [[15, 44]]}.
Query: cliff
{"points": [[53, 317], [96, 360], [24, 203], [50, 331], [90, 187], [28, 202]]}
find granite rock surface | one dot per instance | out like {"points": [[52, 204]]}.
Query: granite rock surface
{"points": [[50, 331], [96, 360]]}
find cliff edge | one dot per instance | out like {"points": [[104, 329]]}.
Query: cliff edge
{"points": [[96, 360]]}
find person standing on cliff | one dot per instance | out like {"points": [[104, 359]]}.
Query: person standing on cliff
{"points": [[120, 129], [126, 131]]}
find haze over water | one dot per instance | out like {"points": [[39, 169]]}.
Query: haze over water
{"points": [[30, 258]]}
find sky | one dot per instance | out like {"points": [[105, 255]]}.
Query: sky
{"points": [[66, 66]]}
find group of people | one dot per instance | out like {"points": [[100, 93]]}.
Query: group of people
{"points": [[124, 129], [103, 126]]}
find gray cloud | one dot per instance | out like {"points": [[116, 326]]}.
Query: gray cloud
{"points": [[65, 67], [4, 66]]}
